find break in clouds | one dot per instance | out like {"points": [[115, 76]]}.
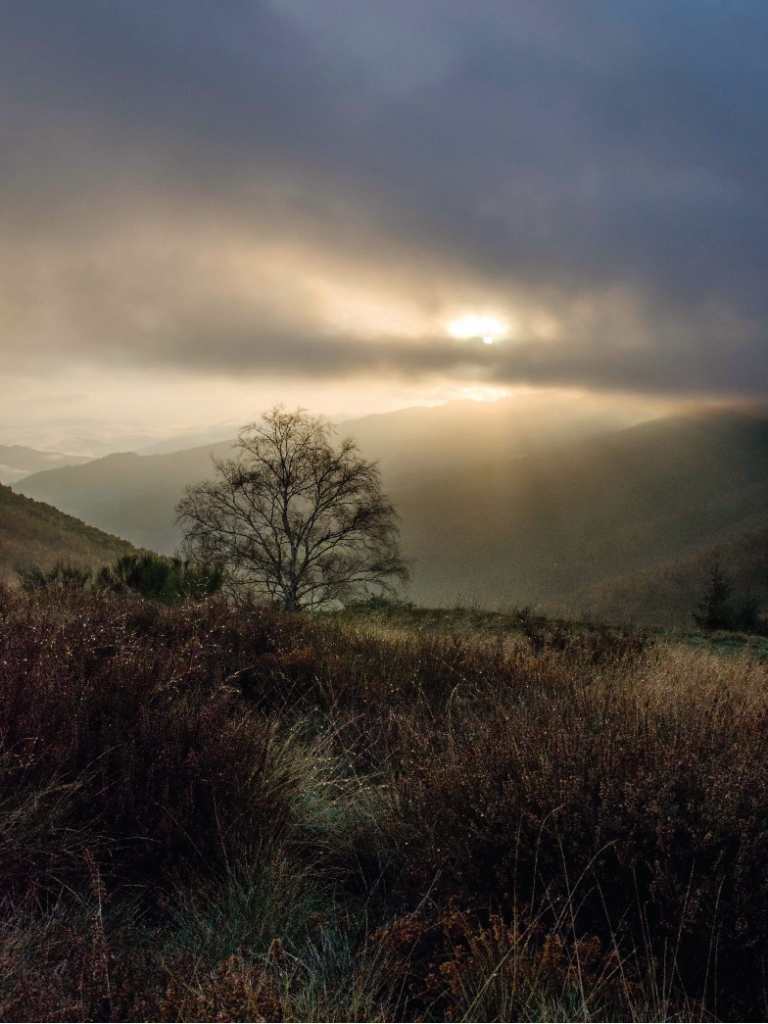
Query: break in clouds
{"points": [[324, 189]]}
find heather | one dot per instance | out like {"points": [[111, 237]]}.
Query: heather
{"points": [[218, 812]]}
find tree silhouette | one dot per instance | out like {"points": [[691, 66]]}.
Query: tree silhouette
{"points": [[715, 610], [295, 517]]}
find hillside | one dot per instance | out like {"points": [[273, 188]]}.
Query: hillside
{"points": [[17, 461], [134, 495], [667, 595], [538, 525], [33, 533], [544, 526], [217, 812], [417, 442], [128, 494]]}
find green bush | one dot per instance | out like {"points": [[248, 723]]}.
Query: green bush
{"points": [[59, 577], [168, 580]]}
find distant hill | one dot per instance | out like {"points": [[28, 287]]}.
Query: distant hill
{"points": [[183, 441], [33, 533], [17, 462], [548, 524], [134, 495], [128, 494], [668, 595], [540, 525], [411, 444]]}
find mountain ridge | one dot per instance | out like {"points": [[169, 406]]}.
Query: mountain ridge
{"points": [[537, 526], [667, 595], [19, 461]]}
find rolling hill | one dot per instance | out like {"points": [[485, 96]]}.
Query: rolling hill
{"points": [[128, 494], [415, 443], [668, 594], [33, 533], [537, 526], [17, 461], [134, 495], [546, 525]]}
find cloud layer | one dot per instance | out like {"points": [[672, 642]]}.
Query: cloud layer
{"points": [[302, 189]]}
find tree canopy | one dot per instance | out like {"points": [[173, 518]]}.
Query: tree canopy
{"points": [[295, 516]]}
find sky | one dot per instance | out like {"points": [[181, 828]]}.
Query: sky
{"points": [[209, 207]]}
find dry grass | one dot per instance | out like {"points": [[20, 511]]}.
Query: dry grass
{"points": [[211, 813]]}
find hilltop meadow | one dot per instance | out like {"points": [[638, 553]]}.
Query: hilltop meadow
{"points": [[222, 813]]}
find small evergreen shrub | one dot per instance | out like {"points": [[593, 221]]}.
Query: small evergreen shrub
{"points": [[168, 580], [714, 609], [719, 610], [59, 577]]}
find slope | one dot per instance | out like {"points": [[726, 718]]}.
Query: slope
{"points": [[128, 494], [33, 533], [547, 524], [668, 595], [135, 495]]}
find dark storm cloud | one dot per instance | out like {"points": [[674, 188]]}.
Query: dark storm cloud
{"points": [[553, 152]]}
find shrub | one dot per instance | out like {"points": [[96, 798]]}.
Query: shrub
{"points": [[557, 822], [160, 764], [463, 968], [717, 610], [168, 580], [59, 577]]}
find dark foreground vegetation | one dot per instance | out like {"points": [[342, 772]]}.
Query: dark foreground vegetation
{"points": [[220, 814]]}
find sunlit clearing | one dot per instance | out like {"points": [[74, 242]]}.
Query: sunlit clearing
{"points": [[486, 327]]}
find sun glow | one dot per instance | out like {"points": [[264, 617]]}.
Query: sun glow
{"points": [[489, 328]]}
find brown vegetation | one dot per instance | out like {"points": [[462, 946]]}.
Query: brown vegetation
{"points": [[226, 814], [33, 533]]}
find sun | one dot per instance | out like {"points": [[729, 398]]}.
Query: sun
{"points": [[489, 328]]}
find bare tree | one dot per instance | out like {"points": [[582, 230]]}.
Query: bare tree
{"points": [[295, 517]]}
